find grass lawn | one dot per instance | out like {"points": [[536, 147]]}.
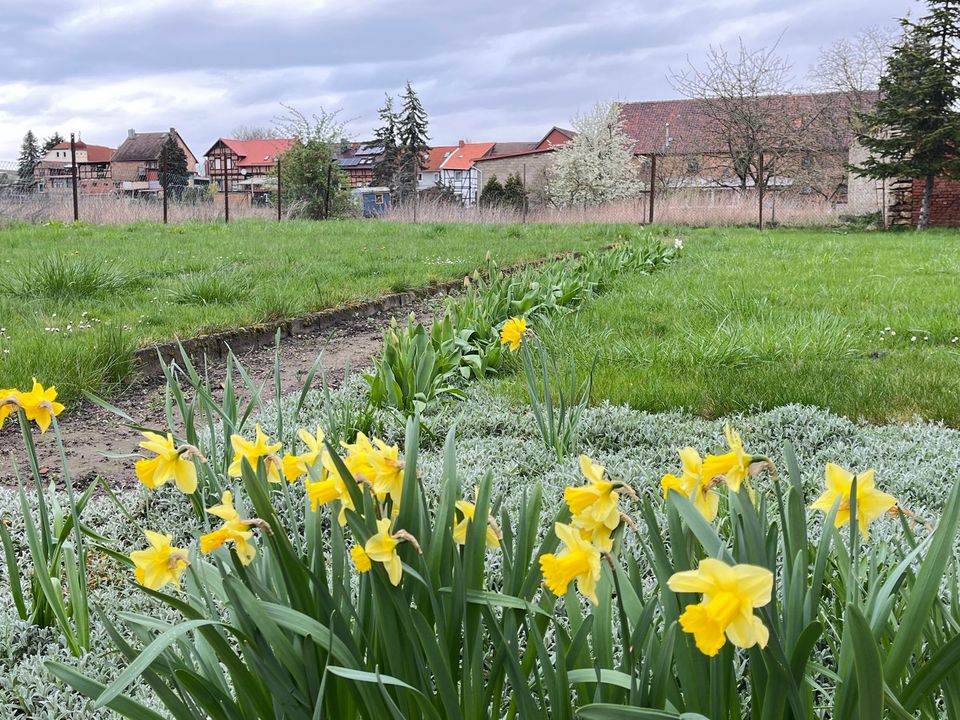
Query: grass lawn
{"points": [[75, 300], [746, 320]]}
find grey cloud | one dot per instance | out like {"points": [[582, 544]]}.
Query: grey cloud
{"points": [[500, 67]]}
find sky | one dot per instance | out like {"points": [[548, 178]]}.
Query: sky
{"points": [[492, 70]]}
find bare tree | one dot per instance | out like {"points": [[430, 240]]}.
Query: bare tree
{"points": [[255, 132], [745, 100], [853, 66]]}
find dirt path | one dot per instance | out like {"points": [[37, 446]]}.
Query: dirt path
{"points": [[90, 431]]}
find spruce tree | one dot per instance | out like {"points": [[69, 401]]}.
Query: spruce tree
{"points": [[412, 139], [913, 131], [514, 194], [51, 142], [172, 167], [29, 157], [385, 173], [492, 193]]}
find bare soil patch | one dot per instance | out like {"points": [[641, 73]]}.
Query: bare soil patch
{"points": [[89, 432]]}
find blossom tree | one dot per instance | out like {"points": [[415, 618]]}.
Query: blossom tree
{"points": [[597, 166]]}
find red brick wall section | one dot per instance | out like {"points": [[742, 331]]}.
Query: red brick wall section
{"points": [[945, 211]]}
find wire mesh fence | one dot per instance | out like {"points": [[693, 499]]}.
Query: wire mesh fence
{"points": [[695, 190]]}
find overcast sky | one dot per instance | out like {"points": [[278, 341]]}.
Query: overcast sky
{"points": [[488, 70]]}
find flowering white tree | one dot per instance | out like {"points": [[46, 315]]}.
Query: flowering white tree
{"points": [[597, 166]]}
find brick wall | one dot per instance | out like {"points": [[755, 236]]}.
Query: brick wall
{"points": [[945, 209]]}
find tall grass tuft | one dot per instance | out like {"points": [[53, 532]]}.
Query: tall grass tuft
{"points": [[58, 277], [219, 288]]}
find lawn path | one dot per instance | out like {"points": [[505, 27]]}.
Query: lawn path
{"points": [[89, 431]]}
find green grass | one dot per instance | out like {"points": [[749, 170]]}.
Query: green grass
{"points": [[750, 321], [75, 300]]}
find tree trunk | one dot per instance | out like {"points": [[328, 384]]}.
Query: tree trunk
{"points": [[926, 201]]}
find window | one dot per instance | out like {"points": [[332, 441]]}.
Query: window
{"points": [[39, 187], [216, 164], [693, 166], [458, 175], [419, 177], [378, 199], [436, 176]]}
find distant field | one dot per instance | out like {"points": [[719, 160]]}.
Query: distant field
{"points": [[75, 300], [866, 324]]}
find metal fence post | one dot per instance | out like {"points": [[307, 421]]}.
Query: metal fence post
{"points": [[226, 191], [73, 172], [653, 182], [760, 183], [279, 193], [165, 184]]}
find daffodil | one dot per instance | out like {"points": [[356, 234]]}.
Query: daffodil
{"points": [[9, 403], [692, 484], [734, 466], [234, 530], [468, 510], [730, 595], [871, 503], [513, 333], [170, 463], [295, 466], [579, 560], [159, 564], [594, 507], [360, 559], [330, 487], [252, 452], [382, 548], [377, 463], [40, 405]]}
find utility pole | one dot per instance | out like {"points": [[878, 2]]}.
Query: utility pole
{"points": [[279, 195], [653, 182], [164, 184], [326, 194], [760, 184], [226, 190], [73, 172]]}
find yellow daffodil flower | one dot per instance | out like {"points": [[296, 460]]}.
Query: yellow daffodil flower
{"points": [[730, 594], [160, 564], [360, 559], [382, 548], [40, 405], [734, 466], [579, 560], [377, 463], [513, 333], [254, 451], [170, 463], [871, 503], [295, 466], [9, 403], [234, 529], [594, 507], [692, 484], [468, 510]]}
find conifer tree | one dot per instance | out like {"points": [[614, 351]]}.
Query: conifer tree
{"points": [[51, 142], [385, 173], [913, 131], [29, 157], [492, 193], [514, 194], [412, 140], [172, 167]]}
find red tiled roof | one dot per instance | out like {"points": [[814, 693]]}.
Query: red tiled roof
{"points": [[681, 126], [95, 153], [436, 157], [464, 155], [257, 152]]}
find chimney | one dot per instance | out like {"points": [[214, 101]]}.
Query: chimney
{"points": [[173, 131], [131, 133], [461, 144]]}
